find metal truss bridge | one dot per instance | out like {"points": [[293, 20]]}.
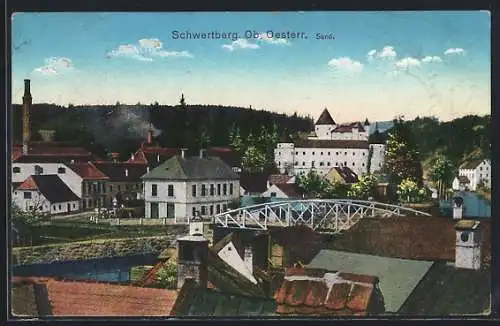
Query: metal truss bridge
{"points": [[322, 215]]}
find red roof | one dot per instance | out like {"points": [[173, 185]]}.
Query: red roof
{"points": [[349, 127], [81, 298], [28, 184], [141, 155], [279, 178], [319, 292], [87, 171]]}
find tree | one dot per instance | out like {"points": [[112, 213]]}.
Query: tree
{"points": [[369, 163], [409, 191], [312, 184], [235, 139], [253, 160], [402, 159], [441, 172], [203, 138], [364, 188], [336, 190], [167, 275]]}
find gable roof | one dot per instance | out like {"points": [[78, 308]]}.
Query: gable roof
{"points": [[51, 187], [348, 175], [319, 292], [325, 118], [279, 178], [289, 189], [446, 290], [80, 298], [397, 277], [253, 182], [122, 172], [397, 236], [192, 168], [331, 143], [152, 155], [87, 170], [46, 152], [348, 127], [196, 301]]}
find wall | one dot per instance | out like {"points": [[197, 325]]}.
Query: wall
{"points": [[233, 259], [91, 249]]}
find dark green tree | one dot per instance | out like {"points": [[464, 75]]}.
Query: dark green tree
{"points": [[442, 172]]}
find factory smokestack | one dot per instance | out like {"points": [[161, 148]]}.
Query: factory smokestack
{"points": [[26, 115]]}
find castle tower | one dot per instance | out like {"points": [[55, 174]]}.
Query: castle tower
{"points": [[27, 101], [468, 248], [324, 125], [192, 251]]}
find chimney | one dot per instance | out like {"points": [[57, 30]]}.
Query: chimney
{"points": [[202, 153], [468, 245], [183, 152], [192, 251], [147, 169], [150, 134], [126, 172], [157, 157], [27, 101], [458, 208], [248, 258], [115, 156]]}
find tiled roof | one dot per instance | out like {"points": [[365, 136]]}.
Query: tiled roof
{"points": [[192, 168], [196, 301], [330, 143], [422, 238], [51, 187], [153, 155], [87, 171], [278, 178], [348, 127], [290, 189], [325, 118], [253, 182], [319, 292], [36, 158], [122, 172], [470, 165], [50, 152], [77, 298]]}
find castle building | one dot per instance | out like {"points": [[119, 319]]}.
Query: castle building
{"points": [[331, 145]]}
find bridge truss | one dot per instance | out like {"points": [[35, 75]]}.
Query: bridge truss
{"points": [[323, 215]]}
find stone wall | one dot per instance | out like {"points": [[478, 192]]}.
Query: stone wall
{"points": [[92, 249]]}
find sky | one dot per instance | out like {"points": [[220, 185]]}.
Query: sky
{"points": [[374, 65]]}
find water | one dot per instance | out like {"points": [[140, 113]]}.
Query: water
{"points": [[115, 269], [474, 205]]}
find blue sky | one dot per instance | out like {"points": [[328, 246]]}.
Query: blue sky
{"points": [[379, 65]]}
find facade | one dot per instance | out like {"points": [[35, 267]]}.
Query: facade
{"points": [[281, 191], [93, 185], [331, 145], [188, 187], [124, 181], [45, 194], [477, 172]]}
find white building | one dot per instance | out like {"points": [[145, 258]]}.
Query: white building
{"points": [[45, 194], [476, 172], [331, 145], [185, 187]]}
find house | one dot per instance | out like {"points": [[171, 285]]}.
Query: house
{"points": [[275, 179], [252, 183], [93, 184], [461, 183], [43, 297], [46, 194], [281, 191], [190, 186], [341, 175], [477, 172], [124, 181], [331, 145]]}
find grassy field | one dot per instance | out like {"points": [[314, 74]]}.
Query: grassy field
{"points": [[63, 231]]}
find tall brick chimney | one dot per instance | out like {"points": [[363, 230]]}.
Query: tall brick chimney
{"points": [[27, 101], [150, 134]]}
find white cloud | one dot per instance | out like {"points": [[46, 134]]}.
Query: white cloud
{"points": [[387, 52], [55, 66], [407, 63], [454, 51], [273, 40], [428, 59], [146, 50], [346, 64], [240, 44]]}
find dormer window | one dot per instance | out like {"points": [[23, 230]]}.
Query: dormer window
{"points": [[61, 170]]}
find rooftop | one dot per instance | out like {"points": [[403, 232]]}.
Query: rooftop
{"points": [[325, 118], [331, 143], [87, 170], [51, 187], [253, 182], [122, 172]]}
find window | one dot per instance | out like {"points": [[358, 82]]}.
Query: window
{"points": [[363, 164], [203, 210], [296, 153], [119, 188], [321, 163], [103, 188], [59, 206], [193, 212], [279, 163], [273, 194], [336, 153], [218, 189], [353, 153], [353, 164], [203, 190], [328, 163], [74, 205], [321, 153], [345, 153], [170, 190], [53, 207], [481, 168], [345, 163], [193, 190], [312, 164], [90, 203], [328, 153], [38, 169], [312, 153], [211, 209], [224, 207], [480, 175], [224, 189], [279, 153], [230, 188], [303, 153], [212, 190], [363, 153], [296, 163], [303, 163], [16, 169], [110, 188], [61, 170], [84, 204], [27, 195], [154, 190]]}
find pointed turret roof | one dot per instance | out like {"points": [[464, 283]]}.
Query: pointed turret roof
{"points": [[325, 118], [367, 123]]}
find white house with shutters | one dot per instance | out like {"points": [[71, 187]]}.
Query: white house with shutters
{"points": [[184, 187], [331, 145], [474, 173]]}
